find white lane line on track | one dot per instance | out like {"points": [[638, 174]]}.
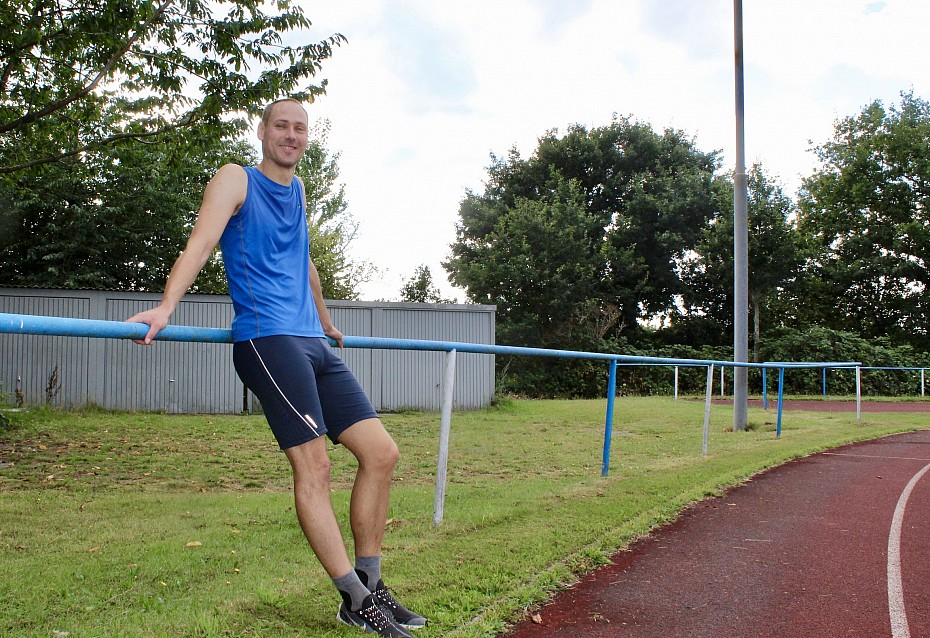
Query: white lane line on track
{"points": [[896, 610], [877, 456]]}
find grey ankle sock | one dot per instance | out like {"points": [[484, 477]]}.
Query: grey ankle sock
{"points": [[352, 587], [370, 568]]}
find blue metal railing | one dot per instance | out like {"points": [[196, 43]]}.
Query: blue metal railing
{"points": [[95, 328]]}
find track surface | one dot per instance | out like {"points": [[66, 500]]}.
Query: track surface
{"points": [[814, 405], [800, 550]]}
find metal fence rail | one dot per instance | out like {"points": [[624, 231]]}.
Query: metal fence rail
{"points": [[63, 326], [200, 377]]}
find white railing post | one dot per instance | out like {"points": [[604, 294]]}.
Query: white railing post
{"points": [[710, 388], [858, 393], [445, 427]]}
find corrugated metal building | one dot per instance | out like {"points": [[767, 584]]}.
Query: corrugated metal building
{"points": [[199, 377]]}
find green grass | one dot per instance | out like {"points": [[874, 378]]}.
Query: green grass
{"points": [[97, 510]]}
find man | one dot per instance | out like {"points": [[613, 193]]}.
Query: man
{"points": [[258, 216]]}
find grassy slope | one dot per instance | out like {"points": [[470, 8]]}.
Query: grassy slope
{"points": [[97, 511]]}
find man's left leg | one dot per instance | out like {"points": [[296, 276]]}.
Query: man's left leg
{"points": [[377, 456]]}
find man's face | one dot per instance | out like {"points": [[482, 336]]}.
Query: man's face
{"points": [[284, 137]]}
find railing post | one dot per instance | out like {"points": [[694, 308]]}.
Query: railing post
{"points": [[707, 395], [825, 383], [921, 382], [609, 422], [445, 427], [781, 401], [676, 383], [765, 390], [858, 393]]}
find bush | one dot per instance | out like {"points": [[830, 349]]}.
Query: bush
{"points": [[826, 345], [549, 377]]}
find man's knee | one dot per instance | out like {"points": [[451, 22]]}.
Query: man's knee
{"points": [[379, 456], [389, 454], [311, 466], [372, 445]]}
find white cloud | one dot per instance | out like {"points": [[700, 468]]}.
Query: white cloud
{"points": [[425, 91]]}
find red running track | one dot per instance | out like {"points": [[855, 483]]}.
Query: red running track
{"points": [[803, 550], [816, 405]]}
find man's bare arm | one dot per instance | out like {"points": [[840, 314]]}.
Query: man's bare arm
{"points": [[221, 200], [329, 328]]}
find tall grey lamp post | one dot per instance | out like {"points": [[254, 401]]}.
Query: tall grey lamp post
{"points": [[740, 241]]}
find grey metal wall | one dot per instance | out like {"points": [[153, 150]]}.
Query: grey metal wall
{"points": [[199, 377]]}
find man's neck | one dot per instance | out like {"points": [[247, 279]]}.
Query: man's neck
{"points": [[276, 173]]}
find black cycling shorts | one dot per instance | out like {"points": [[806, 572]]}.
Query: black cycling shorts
{"points": [[305, 389]]}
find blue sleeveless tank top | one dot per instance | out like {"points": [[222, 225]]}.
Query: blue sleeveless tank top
{"points": [[266, 254]]}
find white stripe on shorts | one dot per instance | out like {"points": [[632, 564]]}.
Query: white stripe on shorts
{"points": [[304, 417]]}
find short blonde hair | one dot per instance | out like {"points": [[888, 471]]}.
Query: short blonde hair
{"points": [[266, 114]]}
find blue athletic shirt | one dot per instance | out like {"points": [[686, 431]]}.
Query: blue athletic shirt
{"points": [[266, 253]]}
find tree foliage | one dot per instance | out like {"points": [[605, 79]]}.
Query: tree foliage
{"points": [[117, 220], [79, 75], [331, 227], [617, 205], [110, 221], [113, 117], [817, 343], [420, 288], [581, 241], [867, 214], [775, 259]]}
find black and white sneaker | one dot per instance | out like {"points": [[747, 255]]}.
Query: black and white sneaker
{"points": [[394, 610], [372, 619]]}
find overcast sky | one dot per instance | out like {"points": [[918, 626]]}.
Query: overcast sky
{"points": [[426, 90]]}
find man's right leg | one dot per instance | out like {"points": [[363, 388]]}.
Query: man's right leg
{"points": [[311, 468], [280, 371]]}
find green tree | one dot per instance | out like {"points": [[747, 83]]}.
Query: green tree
{"points": [[110, 221], [116, 220], [331, 227], [114, 115], [420, 288], [774, 257], [620, 205], [580, 242], [867, 215], [80, 75]]}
